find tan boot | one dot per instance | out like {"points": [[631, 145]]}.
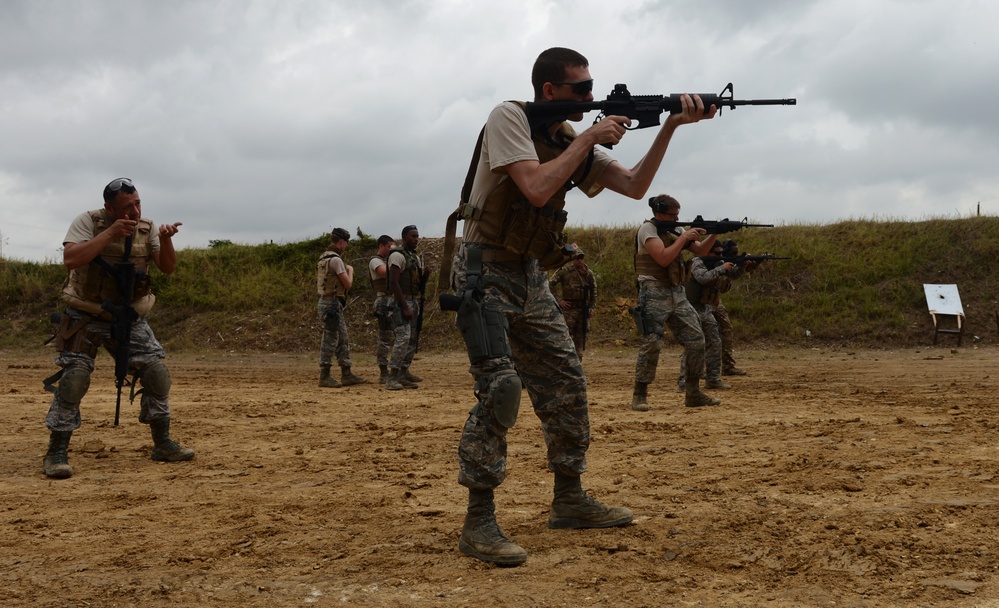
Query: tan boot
{"points": [[639, 399], [166, 449], [56, 461], [574, 508], [698, 398], [411, 376], [325, 379], [481, 536], [392, 383], [718, 385], [348, 378]]}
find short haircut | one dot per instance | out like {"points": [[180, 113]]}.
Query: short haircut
{"points": [[408, 229], [550, 66], [125, 185], [385, 240]]}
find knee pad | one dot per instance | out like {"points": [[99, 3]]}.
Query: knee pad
{"points": [[156, 380], [504, 393], [74, 385]]}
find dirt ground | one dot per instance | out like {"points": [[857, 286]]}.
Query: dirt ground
{"points": [[827, 477]]}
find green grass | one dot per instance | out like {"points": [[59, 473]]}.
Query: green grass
{"points": [[853, 283]]}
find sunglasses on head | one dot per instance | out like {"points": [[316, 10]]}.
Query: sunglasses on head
{"points": [[582, 87], [117, 184]]}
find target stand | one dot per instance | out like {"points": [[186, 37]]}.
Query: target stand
{"points": [[944, 304]]}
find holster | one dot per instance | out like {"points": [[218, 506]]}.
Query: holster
{"points": [[70, 337]]}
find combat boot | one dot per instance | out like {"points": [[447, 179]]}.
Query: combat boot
{"points": [[717, 384], [402, 377], [166, 449], [56, 461], [382, 374], [574, 508], [481, 536], [392, 382], [410, 376], [698, 398], [348, 378], [325, 379], [733, 371], [639, 399]]}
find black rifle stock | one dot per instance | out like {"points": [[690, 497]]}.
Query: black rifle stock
{"points": [[645, 109], [122, 317], [711, 226]]}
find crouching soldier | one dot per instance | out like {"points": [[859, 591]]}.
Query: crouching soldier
{"points": [[103, 249]]}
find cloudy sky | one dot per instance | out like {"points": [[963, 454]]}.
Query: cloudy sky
{"points": [[276, 120]]}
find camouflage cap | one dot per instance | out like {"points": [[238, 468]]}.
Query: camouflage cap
{"points": [[578, 254], [340, 234]]}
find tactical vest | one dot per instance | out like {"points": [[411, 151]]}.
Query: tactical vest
{"points": [[409, 277], [701, 294], [327, 284], [507, 220], [379, 284], [90, 285], [672, 275], [575, 286]]}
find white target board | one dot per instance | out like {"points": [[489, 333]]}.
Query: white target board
{"points": [[943, 299]]}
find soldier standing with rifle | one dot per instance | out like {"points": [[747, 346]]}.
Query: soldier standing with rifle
{"points": [[104, 250], [579, 296], [407, 278], [514, 219]]}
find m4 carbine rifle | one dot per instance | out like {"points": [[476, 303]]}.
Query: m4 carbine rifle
{"points": [[710, 226], [645, 109], [742, 258], [122, 317]]}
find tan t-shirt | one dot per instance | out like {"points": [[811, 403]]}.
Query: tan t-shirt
{"points": [[507, 140]]}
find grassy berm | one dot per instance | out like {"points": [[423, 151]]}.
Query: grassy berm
{"points": [[854, 283]]}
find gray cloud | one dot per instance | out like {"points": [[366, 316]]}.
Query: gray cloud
{"points": [[275, 120]]}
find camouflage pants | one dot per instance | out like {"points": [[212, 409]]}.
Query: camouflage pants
{"points": [[712, 347], [545, 359], [335, 338], [575, 319], [144, 350], [386, 337], [404, 334], [727, 336], [668, 305]]}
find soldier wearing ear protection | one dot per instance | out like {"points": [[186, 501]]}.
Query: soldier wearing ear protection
{"points": [[662, 302]]}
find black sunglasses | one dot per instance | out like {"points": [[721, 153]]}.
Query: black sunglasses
{"points": [[582, 87], [117, 184]]}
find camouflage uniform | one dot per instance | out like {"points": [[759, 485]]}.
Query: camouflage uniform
{"points": [[545, 358], [727, 334], [663, 302], [144, 350], [579, 289], [335, 338], [382, 310], [405, 337], [704, 288]]}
